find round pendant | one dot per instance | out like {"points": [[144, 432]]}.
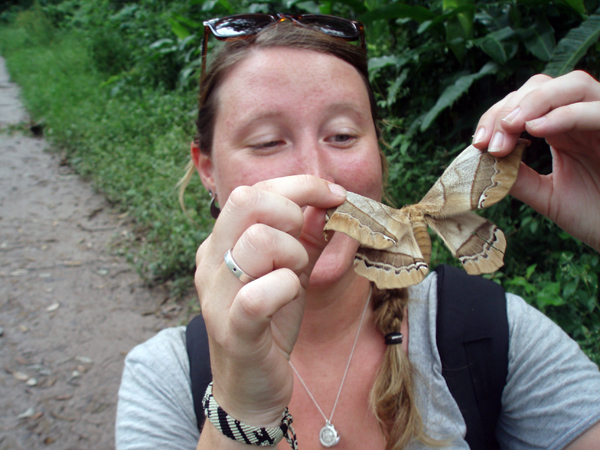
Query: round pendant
{"points": [[329, 435]]}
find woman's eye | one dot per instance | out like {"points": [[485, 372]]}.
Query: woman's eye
{"points": [[266, 145], [343, 139]]}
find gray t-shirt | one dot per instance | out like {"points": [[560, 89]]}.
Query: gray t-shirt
{"points": [[551, 397]]}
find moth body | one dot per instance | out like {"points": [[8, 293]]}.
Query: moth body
{"points": [[419, 230]]}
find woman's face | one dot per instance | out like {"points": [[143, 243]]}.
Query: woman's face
{"points": [[288, 111]]}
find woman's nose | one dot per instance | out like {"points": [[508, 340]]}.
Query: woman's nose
{"points": [[314, 161]]}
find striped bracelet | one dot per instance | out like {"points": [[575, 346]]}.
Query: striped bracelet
{"points": [[247, 434]]}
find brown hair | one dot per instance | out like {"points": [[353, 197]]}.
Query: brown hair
{"points": [[392, 396], [283, 34]]}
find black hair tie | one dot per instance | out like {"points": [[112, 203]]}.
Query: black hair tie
{"points": [[393, 338]]}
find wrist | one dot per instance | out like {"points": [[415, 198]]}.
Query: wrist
{"points": [[245, 433], [245, 410]]}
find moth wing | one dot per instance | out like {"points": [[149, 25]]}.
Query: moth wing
{"points": [[474, 240], [474, 180], [398, 266], [368, 221]]}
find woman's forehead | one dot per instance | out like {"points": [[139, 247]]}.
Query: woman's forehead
{"points": [[283, 77]]}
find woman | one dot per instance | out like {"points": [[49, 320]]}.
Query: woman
{"points": [[286, 125]]}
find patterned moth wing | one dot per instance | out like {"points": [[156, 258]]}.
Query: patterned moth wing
{"points": [[395, 246], [403, 264], [392, 242], [474, 240], [474, 180]]}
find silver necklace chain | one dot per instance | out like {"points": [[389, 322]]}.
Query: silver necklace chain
{"points": [[332, 437]]}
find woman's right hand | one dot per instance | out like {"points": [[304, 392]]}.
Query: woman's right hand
{"points": [[253, 327]]}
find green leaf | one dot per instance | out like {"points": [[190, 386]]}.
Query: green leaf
{"points": [[550, 296], [189, 22], [357, 6], [325, 7], [383, 61], [227, 6], [461, 25], [574, 46], [534, 226], [577, 5], [178, 29], [493, 45], [160, 43], [395, 87], [570, 289], [539, 39], [452, 93], [397, 11], [530, 271], [518, 281], [309, 6], [209, 5]]}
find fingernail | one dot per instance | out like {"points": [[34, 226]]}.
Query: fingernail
{"points": [[513, 115], [536, 122], [338, 190], [479, 135], [496, 143]]}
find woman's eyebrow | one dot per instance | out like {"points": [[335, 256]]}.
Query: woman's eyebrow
{"points": [[250, 120], [348, 107]]}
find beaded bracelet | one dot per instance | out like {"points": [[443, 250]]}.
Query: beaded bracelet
{"points": [[247, 434]]}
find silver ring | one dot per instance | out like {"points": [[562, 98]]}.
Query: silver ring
{"points": [[235, 269]]}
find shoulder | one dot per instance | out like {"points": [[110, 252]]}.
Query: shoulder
{"points": [[155, 407], [158, 369], [532, 334], [552, 392], [161, 351]]}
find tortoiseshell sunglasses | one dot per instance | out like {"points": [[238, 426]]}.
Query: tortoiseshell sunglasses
{"points": [[243, 26]]}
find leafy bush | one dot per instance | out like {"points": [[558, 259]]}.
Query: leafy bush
{"points": [[436, 65]]}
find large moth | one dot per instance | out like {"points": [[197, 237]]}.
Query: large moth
{"points": [[395, 245]]}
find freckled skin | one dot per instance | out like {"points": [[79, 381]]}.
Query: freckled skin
{"points": [[271, 98]]}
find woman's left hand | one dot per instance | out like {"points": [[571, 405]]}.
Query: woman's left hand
{"points": [[566, 112]]}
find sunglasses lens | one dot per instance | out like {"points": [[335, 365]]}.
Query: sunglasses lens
{"points": [[241, 25], [333, 26]]}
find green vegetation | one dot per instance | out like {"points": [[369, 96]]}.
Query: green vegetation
{"points": [[114, 83]]}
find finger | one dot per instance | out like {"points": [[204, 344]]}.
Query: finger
{"points": [[306, 190], [583, 116], [262, 249], [257, 302], [276, 203], [533, 189], [248, 205], [540, 97], [499, 128], [490, 123], [575, 87]]}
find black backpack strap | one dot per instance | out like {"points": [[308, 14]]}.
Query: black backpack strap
{"points": [[472, 338], [198, 354]]}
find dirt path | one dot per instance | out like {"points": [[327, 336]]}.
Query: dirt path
{"points": [[69, 308]]}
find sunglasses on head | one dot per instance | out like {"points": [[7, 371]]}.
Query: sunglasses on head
{"points": [[244, 26]]}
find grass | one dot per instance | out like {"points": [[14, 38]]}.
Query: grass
{"points": [[133, 144]]}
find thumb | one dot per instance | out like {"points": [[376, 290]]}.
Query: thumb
{"points": [[312, 236], [533, 189]]}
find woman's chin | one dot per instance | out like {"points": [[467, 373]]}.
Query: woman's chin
{"points": [[335, 262]]}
